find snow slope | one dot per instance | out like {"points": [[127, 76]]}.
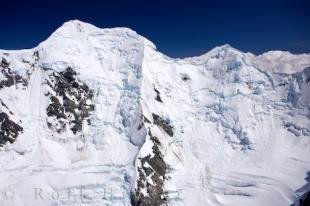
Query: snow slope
{"points": [[100, 117]]}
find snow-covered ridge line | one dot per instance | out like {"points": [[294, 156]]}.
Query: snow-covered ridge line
{"points": [[274, 61]]}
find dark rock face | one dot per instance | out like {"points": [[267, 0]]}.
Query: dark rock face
{"points": [[164, 124], [4, 105], [154, 168], [9, 130], [146, 120], [70, 103], [158, 98], [11, 78], [305, 200]]}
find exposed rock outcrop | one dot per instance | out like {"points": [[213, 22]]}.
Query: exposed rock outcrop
{"points": [[70, 101]]}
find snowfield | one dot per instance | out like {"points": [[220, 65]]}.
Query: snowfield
{"points": [[100, 117]]}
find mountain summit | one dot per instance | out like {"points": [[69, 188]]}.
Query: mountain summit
{"points": [[100, 117]]}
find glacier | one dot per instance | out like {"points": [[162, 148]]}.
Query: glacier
{"points": [[100, 117]]}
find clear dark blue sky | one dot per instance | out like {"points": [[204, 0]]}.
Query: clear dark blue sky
{"points": [[179, 28]]}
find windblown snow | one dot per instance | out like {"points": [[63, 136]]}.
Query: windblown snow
{"points": [[100, 117]]}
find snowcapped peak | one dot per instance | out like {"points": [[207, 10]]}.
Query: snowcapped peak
{"points": [[101, 110], [77, 26], [78, 29], [273, 61], [223, 47], [220, 52], [76, 41], [77, 22], [72, 29]]}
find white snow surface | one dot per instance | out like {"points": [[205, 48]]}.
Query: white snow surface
{"points": [[241, 129], [272, 61], [283, 61]]}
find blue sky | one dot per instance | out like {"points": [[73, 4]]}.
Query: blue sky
{"points": [[178, 28]]}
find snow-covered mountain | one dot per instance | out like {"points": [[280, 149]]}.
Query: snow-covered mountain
{"points": [[100, 117]]}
